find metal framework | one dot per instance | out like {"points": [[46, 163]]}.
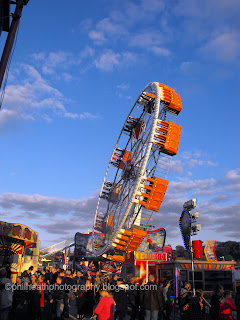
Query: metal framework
{"points": [[138, 167]]}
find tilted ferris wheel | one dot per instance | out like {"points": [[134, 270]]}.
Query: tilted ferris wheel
{"points": [[136, 174]]}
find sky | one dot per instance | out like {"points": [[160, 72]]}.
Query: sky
{"points": [[78, 68]]}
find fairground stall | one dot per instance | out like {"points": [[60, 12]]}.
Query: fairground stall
{"points": [[153, 257], [19, 247]]}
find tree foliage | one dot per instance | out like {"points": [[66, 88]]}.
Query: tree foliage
{"points": [[230, 250], [180, 252]]}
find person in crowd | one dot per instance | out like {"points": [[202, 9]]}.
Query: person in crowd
{"points": [[6, 295], [237, 302], [57, 299], [132, 297], [97, 279], [151, 298], [27, 274], [167, 303], [97, 283], [67, 281], [34, 301], [79, 299], [183, 302], [54, 276], [8, 269], [226, 306], [196, 306], [79, 279], [139, 305], [20, 300], [61, 273], [43, 301], [113, 282], [32, 279], [105, 307], [86, 300], [89, 299], [120, 297], [48, 275], [215, 302]]}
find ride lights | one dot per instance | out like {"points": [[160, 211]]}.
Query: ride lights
{"points": [[185, 223], [196, 228], [190, 204], [195, 216]]}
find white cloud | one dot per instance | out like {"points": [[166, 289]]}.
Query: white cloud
{"points": [[225, 46], [160, 51], [177, 166], [84, 115], [58, 64], [147, 38], [233, 175], [123, 86], [86, 24], [32, 98], [131, 13], [47, 205], [195, 158], [187, 67], [107, 29], [97, 36], [109, 60]]}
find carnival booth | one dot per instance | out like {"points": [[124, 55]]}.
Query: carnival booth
{"points": [[150, 253], [17, 242], [153, 257]]}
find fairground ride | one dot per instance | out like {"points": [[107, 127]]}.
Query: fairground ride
{"points": [[135, 180]]}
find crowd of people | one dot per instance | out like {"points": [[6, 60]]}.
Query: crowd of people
{"points": [[46, 294]]}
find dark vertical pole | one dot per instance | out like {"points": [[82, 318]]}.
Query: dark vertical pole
{"points": [[74, 262], [192, 257], [10, 39]]}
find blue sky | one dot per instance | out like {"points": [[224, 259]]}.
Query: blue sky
{"points": [[76, 72]]}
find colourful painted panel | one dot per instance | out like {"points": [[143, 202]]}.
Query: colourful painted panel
{"points": [[19, 231]]}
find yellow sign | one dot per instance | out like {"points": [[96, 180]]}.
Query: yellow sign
{"points": [[209, 250]]}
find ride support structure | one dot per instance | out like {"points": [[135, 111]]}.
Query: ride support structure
{"points": [[16, 16]]}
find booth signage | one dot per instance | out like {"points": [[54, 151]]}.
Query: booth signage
{"points": [[151, 256], [18, 231]]}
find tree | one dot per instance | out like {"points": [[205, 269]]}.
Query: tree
{"points": [[230, 250], [180, 252]]}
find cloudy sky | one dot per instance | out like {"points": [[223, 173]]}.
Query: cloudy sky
{"points": [[78, 68]]}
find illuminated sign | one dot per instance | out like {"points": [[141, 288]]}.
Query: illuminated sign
{"points": [[151, 256]]}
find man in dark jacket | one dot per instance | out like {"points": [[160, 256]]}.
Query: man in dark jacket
{"points": [[151, 298], [120, 297], [67, 282], [27, 274], [57, 298], [132, 299]]}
